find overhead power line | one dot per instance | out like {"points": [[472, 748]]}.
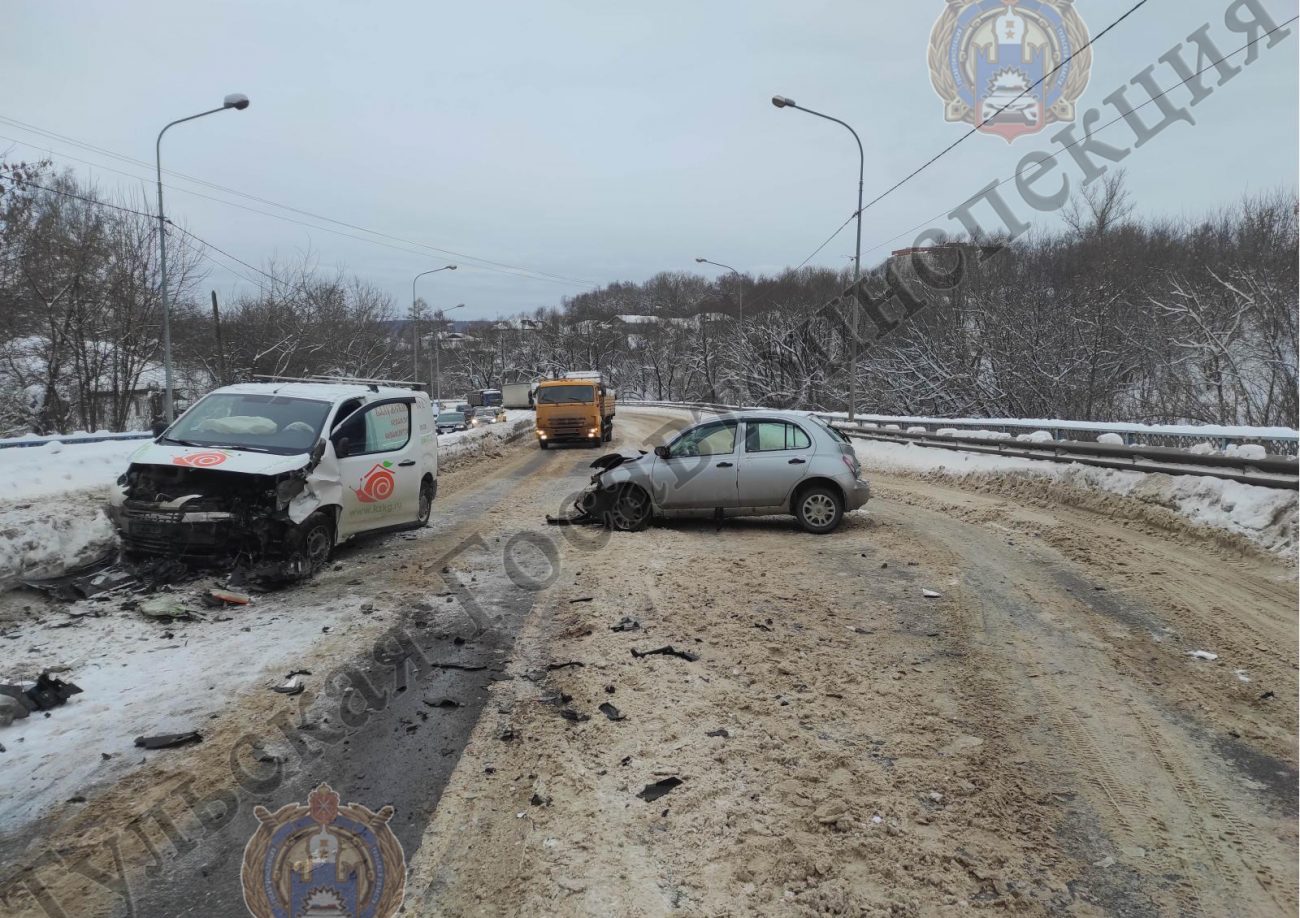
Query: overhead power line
{"points": [[952, 146], [479, 262], [1052, 156]]}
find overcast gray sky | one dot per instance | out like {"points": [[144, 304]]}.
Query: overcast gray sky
{"points": [[592, 139]]}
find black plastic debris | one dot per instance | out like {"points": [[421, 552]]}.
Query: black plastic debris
{"points": [[168, 740], [581, 599], [721, 731], [653, 792], [574, 716], [666, 651], [1268, 696], [99, 576], [611, 712], [552, 667], [48, 693], [464, 667], [446, 703], [508, 736], [626, 624], [539, 800]]}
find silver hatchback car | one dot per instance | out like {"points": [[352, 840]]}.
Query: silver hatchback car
{"points": [[752, 463]]}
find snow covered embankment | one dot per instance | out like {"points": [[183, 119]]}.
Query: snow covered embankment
{"points": [[1266, 517], [51, 511]]}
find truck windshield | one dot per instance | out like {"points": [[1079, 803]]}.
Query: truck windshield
{"points": [[565, 395], [261, 423]]}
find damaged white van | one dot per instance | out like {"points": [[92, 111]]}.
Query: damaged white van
{"points": [[275, 474]]}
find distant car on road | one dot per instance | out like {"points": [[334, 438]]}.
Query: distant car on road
{"points": [[743, 464], [451, 421]]}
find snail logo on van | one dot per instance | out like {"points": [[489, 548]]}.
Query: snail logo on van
{"points": [[377, 485], [205, 460], [323, 859], [990, 62]]}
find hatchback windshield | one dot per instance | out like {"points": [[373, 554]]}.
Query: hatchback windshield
{"points": [[451, 417], [565, 395], [262, 423]]}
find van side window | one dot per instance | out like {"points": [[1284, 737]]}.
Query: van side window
{"points": [[381, 430], [388, 428]]}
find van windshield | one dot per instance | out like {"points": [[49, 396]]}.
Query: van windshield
{"points": [[565, 395], [261, 423]]}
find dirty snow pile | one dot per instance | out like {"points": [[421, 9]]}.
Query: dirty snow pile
{"points": [[463, 445], [51, 516], [1265, 516]]}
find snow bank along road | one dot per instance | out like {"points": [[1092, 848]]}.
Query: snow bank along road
{"points": [[1036, 737]]}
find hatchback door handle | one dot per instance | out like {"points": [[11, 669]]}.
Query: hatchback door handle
{"points": [[724, 465], [407, 463], [797, 461]]}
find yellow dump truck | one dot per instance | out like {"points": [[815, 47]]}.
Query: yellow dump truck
{"points": [[579, 408]]}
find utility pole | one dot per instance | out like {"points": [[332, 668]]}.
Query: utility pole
{"points": [[783, 102], [234, 102], [221, 351]]}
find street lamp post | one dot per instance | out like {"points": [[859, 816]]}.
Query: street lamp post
{"points": [[437, 336], [415, 325], [783, 102], [237, 101], [740, 287]]}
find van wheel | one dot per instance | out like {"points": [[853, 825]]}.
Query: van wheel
{"points": [[631, 510], [819, 509], [428, 491], [314, 543]]}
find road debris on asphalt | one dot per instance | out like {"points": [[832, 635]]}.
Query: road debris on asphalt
{"points": [[291, 686], [612, 712], [168, 740], [653, 792], [166, 608], [931, 594], [18, 701], [1203, 655], [216, 597], [626, 624], [666, 651]]}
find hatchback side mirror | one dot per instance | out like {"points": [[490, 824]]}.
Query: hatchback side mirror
{"points": [[662, 452], [342, 446]]}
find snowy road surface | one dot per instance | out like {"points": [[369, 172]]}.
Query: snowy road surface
{"points": [[1036, 737]]}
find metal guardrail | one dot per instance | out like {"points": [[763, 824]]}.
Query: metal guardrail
{"points": [[1270, 472], [73, 441]]}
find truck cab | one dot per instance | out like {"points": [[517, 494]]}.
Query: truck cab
{"points": [[280, 471], [577, 408]]}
